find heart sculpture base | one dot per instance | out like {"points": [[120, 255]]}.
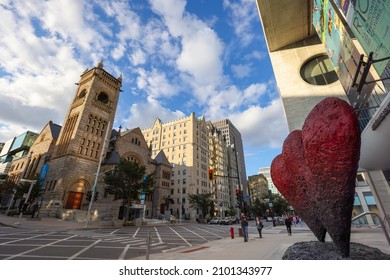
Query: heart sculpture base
{"points": [[315, 250], [316, 172]]}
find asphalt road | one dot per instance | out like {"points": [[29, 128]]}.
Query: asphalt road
{"points": [[105, 244]]}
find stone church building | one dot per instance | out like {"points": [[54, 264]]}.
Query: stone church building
{"points": [[87, 144]]}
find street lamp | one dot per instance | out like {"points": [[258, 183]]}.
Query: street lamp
{"points": [[27, 197], [96, 175], [181, 201]]}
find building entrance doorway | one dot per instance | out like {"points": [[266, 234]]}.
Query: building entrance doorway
{"points": [[74, 200]]}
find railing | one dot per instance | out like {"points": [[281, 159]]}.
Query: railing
{"points": [[365, 114], [381, 222]]}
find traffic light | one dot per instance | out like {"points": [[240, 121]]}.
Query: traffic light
{"points": [[238, 198], [211, 174]]}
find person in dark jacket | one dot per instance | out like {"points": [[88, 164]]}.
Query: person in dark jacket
{"points": [[287, 222]]}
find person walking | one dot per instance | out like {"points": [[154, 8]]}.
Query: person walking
{"points": [[287, 222], [259, 225], [244, 226]]}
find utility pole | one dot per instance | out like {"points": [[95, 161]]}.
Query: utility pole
{"points": [[97, 174]]}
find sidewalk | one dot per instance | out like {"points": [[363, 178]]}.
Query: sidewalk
{"points": [[271, 247], [40, 224]]}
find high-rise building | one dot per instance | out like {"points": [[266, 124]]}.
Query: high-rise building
{"points": [[266, 172], [258, 186], [322, 48], [237, 159], [221, 185], [185, 142]]}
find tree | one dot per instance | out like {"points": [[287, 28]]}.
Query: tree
{"points": [[280, 205], [231, 211], [201, 202], [127, 181], [7, 187], [259, 207], [24, 187]]}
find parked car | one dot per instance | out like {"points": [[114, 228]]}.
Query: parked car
{"points": [[215, 221], [226, 221]]}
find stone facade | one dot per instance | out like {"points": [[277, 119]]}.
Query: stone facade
{"points": [[81, 142]]}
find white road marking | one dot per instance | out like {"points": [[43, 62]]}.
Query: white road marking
{"points": [[122, 256], [193, 232], [134, 235], [158, 235], [181, 237], [85, 249], [40, 247]]}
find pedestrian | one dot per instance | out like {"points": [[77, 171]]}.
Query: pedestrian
{"points": [[244, 226], [294, 218], [34, 210], [259, 225], [287, 222]]}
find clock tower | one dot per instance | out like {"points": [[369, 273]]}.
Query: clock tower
{"points": [[74, 162]]}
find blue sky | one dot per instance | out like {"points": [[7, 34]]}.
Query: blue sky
{"points": [[175, 56]]}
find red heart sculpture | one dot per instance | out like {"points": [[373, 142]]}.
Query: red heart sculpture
{"points": [[296, 188], [316, 172]]}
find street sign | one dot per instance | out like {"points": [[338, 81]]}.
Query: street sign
{"points": [[270, 204], [247, 196]]}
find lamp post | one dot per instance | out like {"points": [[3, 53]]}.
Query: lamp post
{"points": [[96, 175], [32, 182], [181, 201]]}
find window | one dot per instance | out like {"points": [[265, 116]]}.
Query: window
{"points": [[82, 93], [103, 97], [318, 71]]}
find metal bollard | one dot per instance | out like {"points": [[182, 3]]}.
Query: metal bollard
{"points": [[232, 232]]}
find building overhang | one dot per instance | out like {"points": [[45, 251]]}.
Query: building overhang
{"points": [[285, 22]]}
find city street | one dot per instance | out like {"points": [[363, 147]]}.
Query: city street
{"points": [[106, 244]]}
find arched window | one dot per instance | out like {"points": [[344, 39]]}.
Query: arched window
{"points": [[103, 97], [82, 93], [318, 71]]}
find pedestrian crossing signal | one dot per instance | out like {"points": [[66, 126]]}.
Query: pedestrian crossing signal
{"points": [[211, 174]]}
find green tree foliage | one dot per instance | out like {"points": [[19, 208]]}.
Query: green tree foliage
{"points": [[24, 187], [280, 205], [231, 211], [127, 181], [202, 202], [7, 187], [259, 207]]}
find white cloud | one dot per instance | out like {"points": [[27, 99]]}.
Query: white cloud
{"points": [[118, 52], [243, 13], [201, 49], [143, 115], [241, 70], [156, 83], [66, 18], [201, 56], [138, 57], [232, 99], [262, 126]]}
